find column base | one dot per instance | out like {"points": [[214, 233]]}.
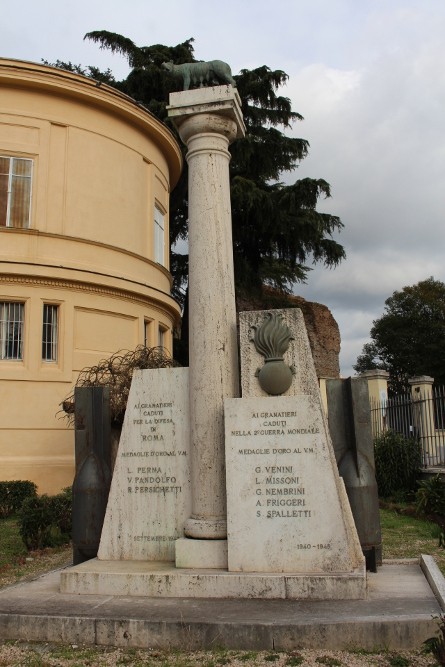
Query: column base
{"points": [[206, 529], [201, 554]]}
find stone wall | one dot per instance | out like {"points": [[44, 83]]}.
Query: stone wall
{"points": [[324, 337]]}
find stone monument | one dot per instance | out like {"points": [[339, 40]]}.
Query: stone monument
{"points": [[215, 495]]}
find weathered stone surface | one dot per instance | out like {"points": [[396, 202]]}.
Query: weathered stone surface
{"points": [[162, 580], [223, 101], [150, 496], [324, 337], [286, 506], [434, 577], [321, 327], [298, 354], [201, 554]]}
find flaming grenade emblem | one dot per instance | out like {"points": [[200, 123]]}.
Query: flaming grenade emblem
{"points": [[271, 340]]}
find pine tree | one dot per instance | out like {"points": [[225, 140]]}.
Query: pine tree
{"points": [[277, 230]]}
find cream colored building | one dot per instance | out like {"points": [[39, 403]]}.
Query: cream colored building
{"points": [[85, 177]]}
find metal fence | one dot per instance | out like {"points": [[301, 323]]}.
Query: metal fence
{"points": [[419, 416]]}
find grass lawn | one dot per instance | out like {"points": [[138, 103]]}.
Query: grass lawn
{"points": [[16, 563], [406, 536], [12, 549]]}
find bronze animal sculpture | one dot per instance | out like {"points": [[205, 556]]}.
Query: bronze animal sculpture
{"points": [[201, 73]]}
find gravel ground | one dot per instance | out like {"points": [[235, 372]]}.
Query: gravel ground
{"points": [[21, 654]]}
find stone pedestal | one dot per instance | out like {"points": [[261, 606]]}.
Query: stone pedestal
{"points": [[208, 120]]}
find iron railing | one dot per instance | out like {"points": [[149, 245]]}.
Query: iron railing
{"points": [[419, 415]]}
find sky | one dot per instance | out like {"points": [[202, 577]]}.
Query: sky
{"points": [[369, 78]]}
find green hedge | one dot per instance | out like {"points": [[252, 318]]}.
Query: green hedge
{"points": [[13, 495], [45, 521], [398, 462]]}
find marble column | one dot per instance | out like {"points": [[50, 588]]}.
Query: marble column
{"points": [[208, 120]]}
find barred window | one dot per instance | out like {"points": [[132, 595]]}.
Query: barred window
{"points": [[11, 330], [159, 236], [50, 332], [15, 191]]}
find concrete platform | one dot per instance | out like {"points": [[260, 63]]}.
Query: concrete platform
{"points": [[398, 613]]}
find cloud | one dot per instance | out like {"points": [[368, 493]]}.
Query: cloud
{"points": [[377, 135], [368, 77]]}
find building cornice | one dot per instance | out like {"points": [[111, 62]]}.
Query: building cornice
{"points": [[163, 304], [19, 73], [79, 239]]}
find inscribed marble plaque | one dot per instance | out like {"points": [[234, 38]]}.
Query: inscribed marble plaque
{"points": [[287, 509], [150, 496]]}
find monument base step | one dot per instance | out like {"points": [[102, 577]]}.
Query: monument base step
{"points": [[153, 580]]}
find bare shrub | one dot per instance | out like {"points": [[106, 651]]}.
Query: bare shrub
{"points": [[116, 372]]}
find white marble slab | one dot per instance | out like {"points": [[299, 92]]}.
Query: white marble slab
{"points": [[287, 510], [150, 496]]}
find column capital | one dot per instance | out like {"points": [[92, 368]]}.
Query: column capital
{"points": [[207, 131], [215, 100]]}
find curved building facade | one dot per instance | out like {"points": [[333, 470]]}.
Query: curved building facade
{"points": [[85, 178]]}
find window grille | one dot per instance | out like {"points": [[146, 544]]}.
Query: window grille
{"points": [[15, 191], [49, 333], [159, 236], [11, 330]]}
